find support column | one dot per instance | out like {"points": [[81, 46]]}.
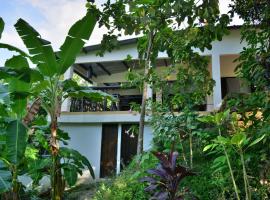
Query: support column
{"points": [[66, 104], [217, 98], [69, 73], [149, 92], [119, 141]]}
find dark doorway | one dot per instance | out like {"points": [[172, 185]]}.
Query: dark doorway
{"points": [[108, 150], [230, 85], [129, 143]]}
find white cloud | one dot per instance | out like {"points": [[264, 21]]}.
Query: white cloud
{"points": [[59, 15]]}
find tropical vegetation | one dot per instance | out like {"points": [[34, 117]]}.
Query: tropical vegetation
{"points": [[219, 155]]}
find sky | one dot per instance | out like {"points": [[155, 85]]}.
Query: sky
{"points": [[52, 19]]}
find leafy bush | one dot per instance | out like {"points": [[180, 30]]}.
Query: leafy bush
{"points": [[126, 186]]}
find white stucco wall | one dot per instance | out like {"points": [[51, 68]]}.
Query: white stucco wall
{"points": [[86, 138], [148, 136], [228, 65]]}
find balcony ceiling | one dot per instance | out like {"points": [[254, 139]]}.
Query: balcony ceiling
{"points": [[89, 70]]}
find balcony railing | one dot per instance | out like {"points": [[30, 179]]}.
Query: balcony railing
{"points": [[123, 104], [86, 105]]}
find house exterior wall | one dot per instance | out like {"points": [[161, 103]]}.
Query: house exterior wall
{"points": [[228, 65], [87, 137]]}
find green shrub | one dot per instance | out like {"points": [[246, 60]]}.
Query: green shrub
{"points": [[126, 186]]}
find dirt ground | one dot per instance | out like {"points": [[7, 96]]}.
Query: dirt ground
{"points": [[84, 191]]}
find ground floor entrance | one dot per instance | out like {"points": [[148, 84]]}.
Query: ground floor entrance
{"points": [[118, 146]]}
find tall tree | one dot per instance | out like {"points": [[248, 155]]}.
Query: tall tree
{"points": [[173, 26], [255, 58]]}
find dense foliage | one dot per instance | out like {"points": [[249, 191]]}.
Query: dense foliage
{"points": [[126, 185]]}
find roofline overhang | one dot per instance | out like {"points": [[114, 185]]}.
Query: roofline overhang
{"points": [[96, 47]]}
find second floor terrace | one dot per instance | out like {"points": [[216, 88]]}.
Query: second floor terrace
{"points": [[108, 73]]}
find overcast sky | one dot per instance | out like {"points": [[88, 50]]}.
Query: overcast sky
{"points": [[52, 19]]}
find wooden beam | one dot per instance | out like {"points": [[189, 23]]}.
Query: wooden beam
{"points": [[82, 76], [83, 66], [104, 69], [125, 64], [88, 69], [91, 71]]}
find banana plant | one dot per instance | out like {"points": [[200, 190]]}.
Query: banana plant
{"points": [[13, 100], [13, 142], [17, 79], [51, 88]]}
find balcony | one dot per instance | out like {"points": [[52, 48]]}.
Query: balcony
{"points": [[123, 103]]}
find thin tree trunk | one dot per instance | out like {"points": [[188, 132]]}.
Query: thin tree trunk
{"points": [[56, 176], [142, 120], [191, 149], [144, 95], [15, 185]]}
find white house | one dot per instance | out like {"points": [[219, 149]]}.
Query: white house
{"points": [[99, 132]]}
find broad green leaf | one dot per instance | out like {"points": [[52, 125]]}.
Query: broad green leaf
{"points": [[17, 62], [20, 84], [75, 40], [206, 119], [72, 89], [207, 147], [19, 103], [94, 95], [222, 140], [41, 50], [86, 162], [238, 139], [70, 85], [71, 175], [12, 48], [19, 74], [5, 181], [16, 141], [221, 117], [4, 94], [78, 158], [256, 141], [2, 25]]}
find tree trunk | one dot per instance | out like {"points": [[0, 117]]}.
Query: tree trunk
{"points": [[57, 183], [15, 185], [142, 120], [144, 95], [191, 149]]}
